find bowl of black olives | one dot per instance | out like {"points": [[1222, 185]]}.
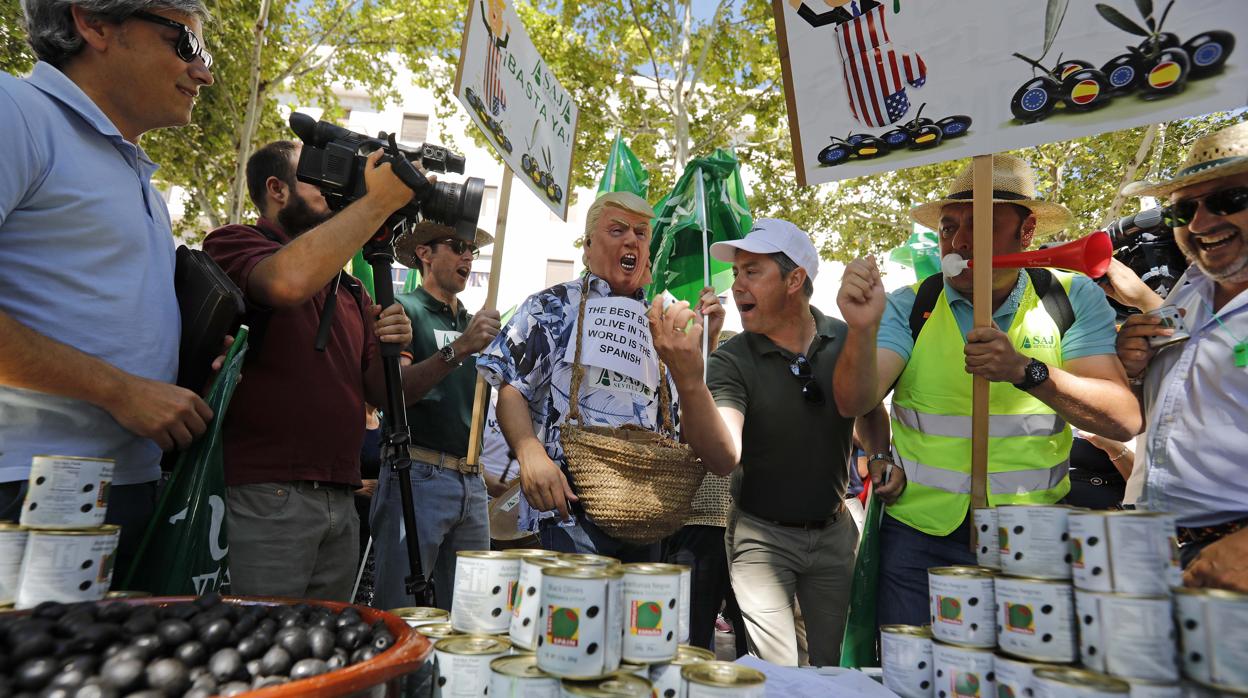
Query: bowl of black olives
{"points": [[204, 646]]}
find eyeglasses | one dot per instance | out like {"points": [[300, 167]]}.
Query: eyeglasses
{"points": [[1220, 203], [188, 46], [458, 246], [800, 368]]}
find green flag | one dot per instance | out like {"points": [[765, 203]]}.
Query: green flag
{"points": [[679, 254], [361, 270], [184, 550], [859, 646], [412, 282], [921, 253], [624, 172]]}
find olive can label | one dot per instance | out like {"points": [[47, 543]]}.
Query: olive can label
{"points": [[963, 609], [1036, 620], [12, 549], [505, 686], [666, 680], [963, 672], [907, 664], [66, 567], [1049, 688], [1214, 633], [66, 492], [1155, 690], [1034, 541], [1089, 551], [1142, 644], [1125, 553], [987, 551], [686, 582], [484, 590], [1013, 677], [462, 675], [527, 599], [699, 690], [582, 626], [652, 604]]}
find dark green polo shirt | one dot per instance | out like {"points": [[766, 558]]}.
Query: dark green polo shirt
{"points": [[794, 453], [440, 420]]}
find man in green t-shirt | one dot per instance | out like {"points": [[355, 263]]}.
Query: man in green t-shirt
{"points": [[767, 406], [449, 494]]}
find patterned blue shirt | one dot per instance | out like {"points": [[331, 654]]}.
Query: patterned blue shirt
{"points": [[529, 355]]}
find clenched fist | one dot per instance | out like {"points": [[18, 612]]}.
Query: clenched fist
{"points": [[861, 298]]}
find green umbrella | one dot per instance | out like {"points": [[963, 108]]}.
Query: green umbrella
{"points": [[624, 171], [921, 253], [706, 206]]}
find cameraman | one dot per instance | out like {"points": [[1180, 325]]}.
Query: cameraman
{"points": [[293, 434], [89, 321]]}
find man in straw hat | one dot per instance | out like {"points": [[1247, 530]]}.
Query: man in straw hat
{"points": [[766, 406], [1049, 356], [1194, 393], [293, 433], [529, 365], [451, 514]]}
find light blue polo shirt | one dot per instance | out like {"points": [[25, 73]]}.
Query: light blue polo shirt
{"points": [[1092, 332], [86, 258]]}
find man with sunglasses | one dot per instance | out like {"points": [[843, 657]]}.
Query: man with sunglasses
{"points": [[451, 498], [293, 434], [1193, 393], [767, 406], [89, 322]]}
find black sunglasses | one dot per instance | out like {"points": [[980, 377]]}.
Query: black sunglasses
{"points": [[458, 246], [188, 46], [1225, 202], [801, 369]]}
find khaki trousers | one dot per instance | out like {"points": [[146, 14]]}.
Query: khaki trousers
{"points": [[770, 564]]}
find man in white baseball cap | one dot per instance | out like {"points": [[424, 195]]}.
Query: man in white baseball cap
{"points": [[766, 406]]}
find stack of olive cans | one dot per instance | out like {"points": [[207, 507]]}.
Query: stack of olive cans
{"points": [[62, 550]]}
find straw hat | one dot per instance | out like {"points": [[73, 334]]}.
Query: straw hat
{"points": [[1012, 183], [425, 232], [1220, 154]]}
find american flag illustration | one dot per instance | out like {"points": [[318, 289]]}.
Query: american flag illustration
{"points": [[875, 74], [494, 97]]}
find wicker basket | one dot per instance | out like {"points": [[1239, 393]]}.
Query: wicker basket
{"points": [[634, 483]]}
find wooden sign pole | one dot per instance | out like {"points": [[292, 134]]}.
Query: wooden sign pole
{"points": [[982, 301], [491, 302]]}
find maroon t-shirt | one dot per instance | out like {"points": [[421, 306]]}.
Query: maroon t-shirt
{"points": [[298, 414]]}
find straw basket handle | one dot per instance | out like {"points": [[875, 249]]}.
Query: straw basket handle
{"points": [[578, 375]]}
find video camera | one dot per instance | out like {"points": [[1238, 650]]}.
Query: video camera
{"points": [[1145, 243], [334, 158]]}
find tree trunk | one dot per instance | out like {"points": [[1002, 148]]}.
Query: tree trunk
{"points": [[247, 130], [1141, 154]]}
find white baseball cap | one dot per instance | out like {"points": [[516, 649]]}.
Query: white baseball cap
{"points": [[773, 235]]}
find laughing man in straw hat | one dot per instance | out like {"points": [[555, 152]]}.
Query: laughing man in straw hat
{"points": [[1049, 357], [1193, 393]]}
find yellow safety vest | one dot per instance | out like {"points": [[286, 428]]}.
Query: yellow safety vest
{"points": [[1028, 443]]}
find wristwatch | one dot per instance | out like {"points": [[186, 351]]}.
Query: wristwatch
{"points": [[448, 355], [1034, 374], [882, 455]]}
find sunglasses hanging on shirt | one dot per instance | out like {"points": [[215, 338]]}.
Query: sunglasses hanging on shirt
{"points": [[801, 369]]}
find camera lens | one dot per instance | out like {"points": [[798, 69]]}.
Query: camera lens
{"points": [[456, 205]]}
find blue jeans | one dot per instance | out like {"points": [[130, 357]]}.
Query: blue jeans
{"points": [[584, 536], [451, 516], [905, 555]]}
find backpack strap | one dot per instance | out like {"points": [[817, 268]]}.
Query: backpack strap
{"points": [[1053, 295], [924, 301]]}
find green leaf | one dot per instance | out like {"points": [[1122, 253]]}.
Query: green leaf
{"points": [[1120, 20], [1146, 9], [1053, 16]]}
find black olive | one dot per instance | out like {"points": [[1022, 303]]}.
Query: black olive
{"points": [[58, 692], [266, 681], [244, 625], [268, 625], [70, 678], [174, 632], [321, 642], [339, 660], [200, 692], [35, 645], [139, 623], [233, 688], [203, 680], [215, 633], [349, 616], [253, 646], [122, 673], [113, 613], [181, 611], [192, 653], [294, 641], [34, 674], [92, 688], [350, 638], [151, 644], [307, 668], [226, 664], [48, 609], [94, 637], [290, 619], [208, 600], [275, 661], [152, 693], [168, 676], [363, 654], [382, 640], [329, 622], [83, 662], [254, 668], [69, 624], [132, 652]]}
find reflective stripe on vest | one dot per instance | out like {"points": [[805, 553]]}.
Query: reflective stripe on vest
{"points": [[1010, 481], [999, 425], [1028, 444]]}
